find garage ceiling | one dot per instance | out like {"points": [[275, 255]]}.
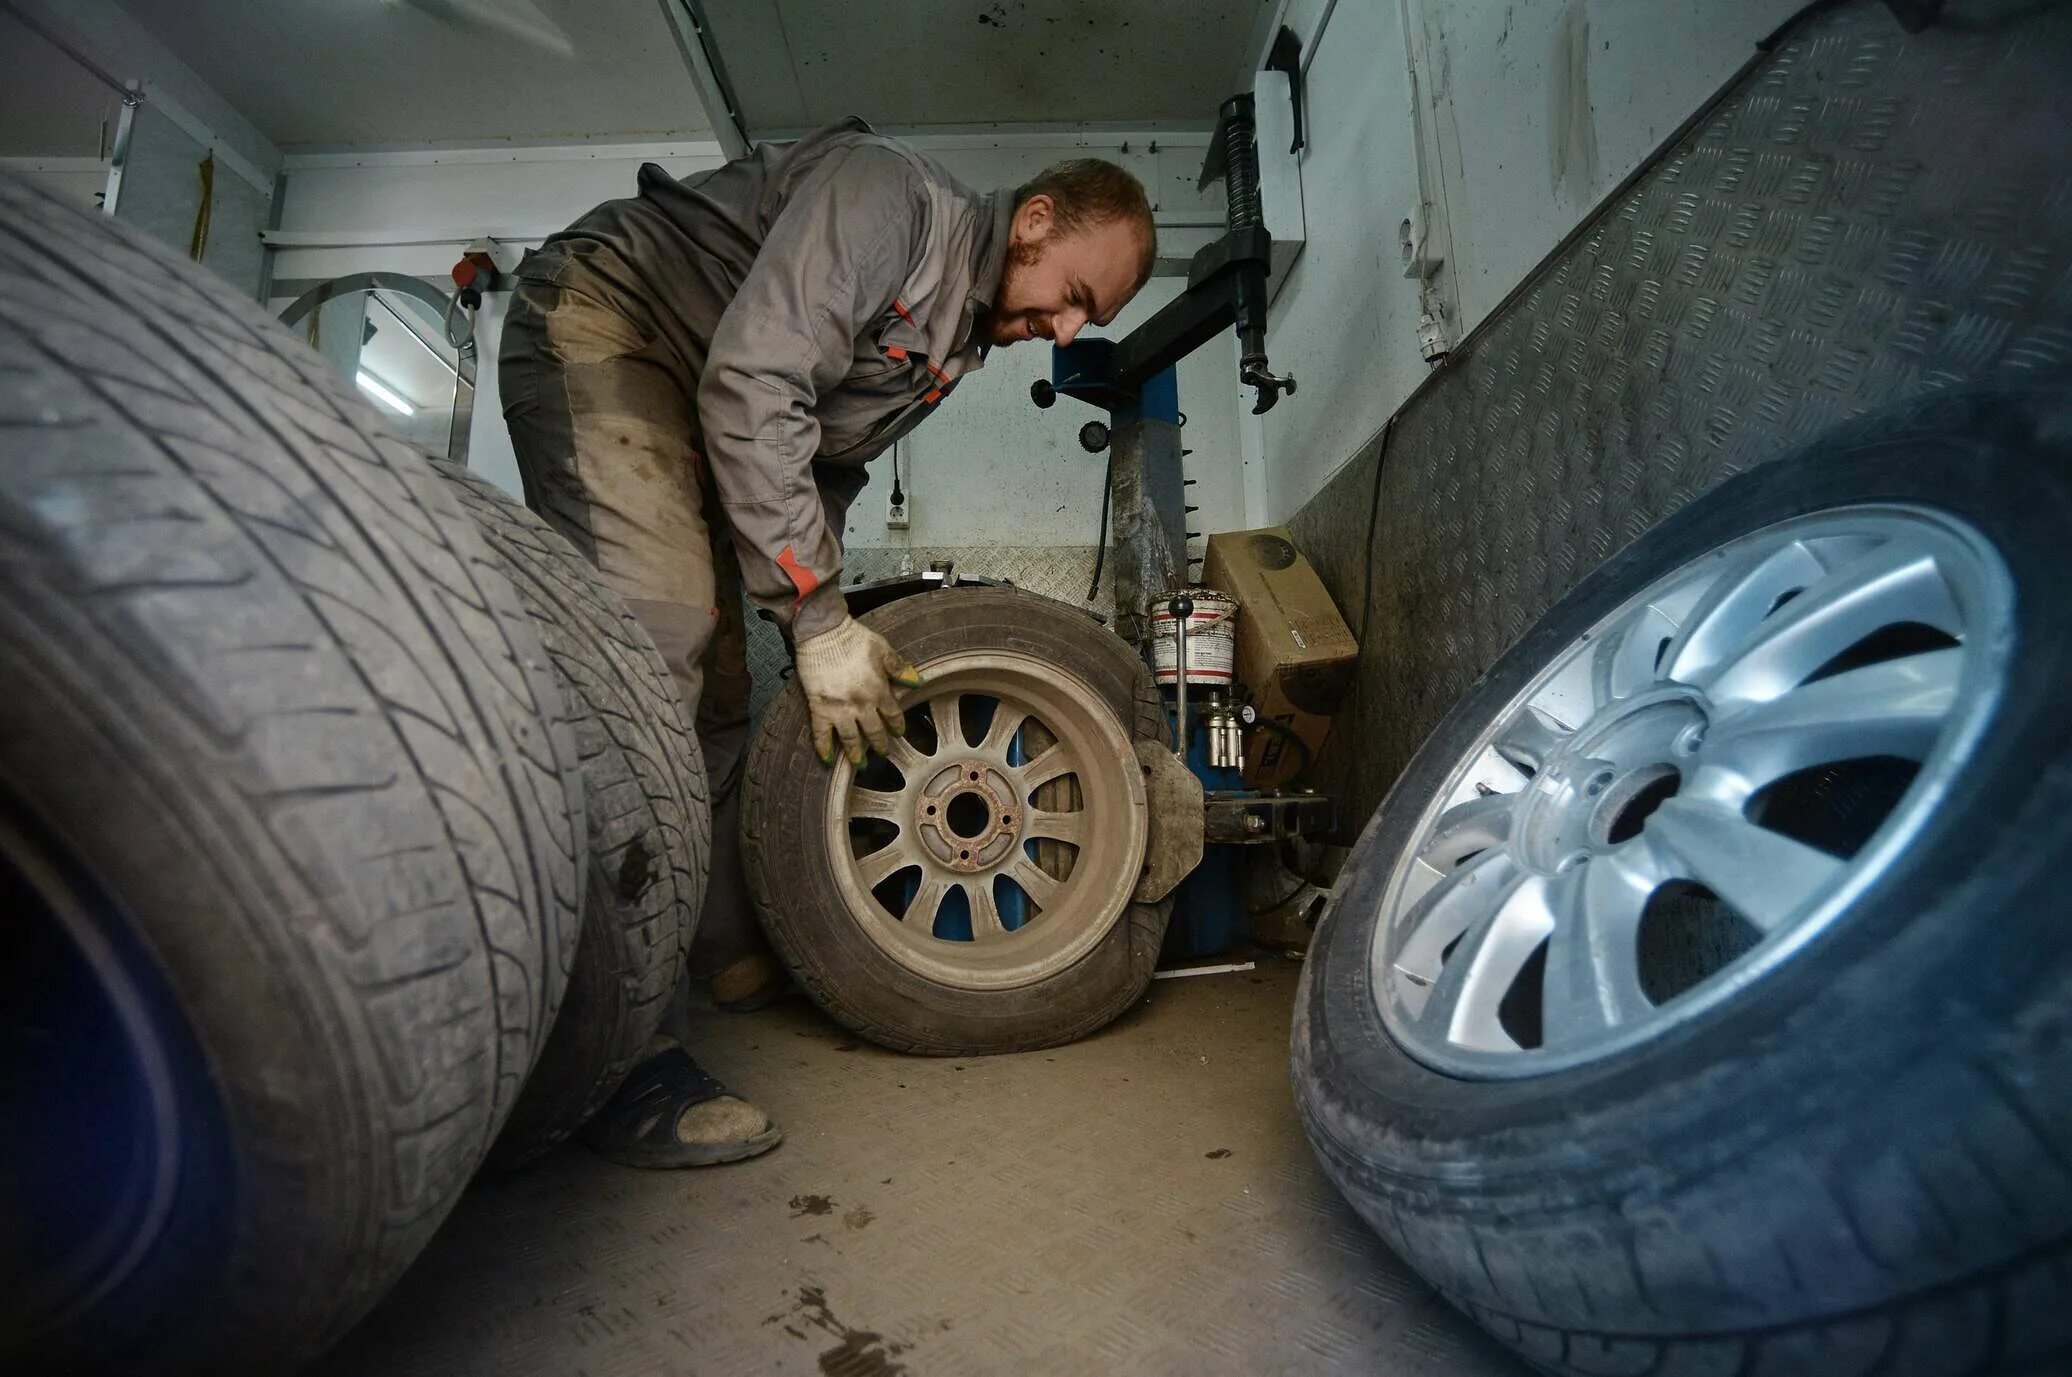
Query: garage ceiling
{"points": [[914, 64], [370, 74], [364, 73]]}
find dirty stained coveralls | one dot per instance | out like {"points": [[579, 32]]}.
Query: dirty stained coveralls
{"points": [[697, 375]]}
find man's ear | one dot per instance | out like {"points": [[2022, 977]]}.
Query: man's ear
{"points": [[1033, 217]]}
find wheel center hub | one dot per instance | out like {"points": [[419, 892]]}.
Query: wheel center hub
{"points": [[968, 817], [1597, 791]]}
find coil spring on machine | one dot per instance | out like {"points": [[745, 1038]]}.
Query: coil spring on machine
{"points": [[1241, 174]]}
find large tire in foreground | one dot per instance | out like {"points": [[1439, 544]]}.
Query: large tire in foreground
{"points": [[289, 812], [650, 823], [1700, 999], [1027, 939]]}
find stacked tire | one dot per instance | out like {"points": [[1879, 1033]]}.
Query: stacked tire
{"points": [[649, 814], [294, 845]]}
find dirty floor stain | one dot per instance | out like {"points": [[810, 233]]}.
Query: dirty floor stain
{"points": [[861, 1352]]}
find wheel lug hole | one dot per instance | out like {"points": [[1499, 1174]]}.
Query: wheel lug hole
{"points": [[1572, 860], [931, 810], [1598, 783]]}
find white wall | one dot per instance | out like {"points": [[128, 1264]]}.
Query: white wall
{"points": [[78, 181], [1529, 113], [990, 469], [993, 469], [1343, 323], [65, 103]]}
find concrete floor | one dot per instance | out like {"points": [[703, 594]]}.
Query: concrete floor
{"points": [[1140, 1202]]}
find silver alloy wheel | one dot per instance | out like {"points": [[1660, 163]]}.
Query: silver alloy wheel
{"points": [[1001, 838], [1692, 791]]}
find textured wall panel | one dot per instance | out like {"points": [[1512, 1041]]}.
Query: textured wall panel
{"points": [[1868, 214]]}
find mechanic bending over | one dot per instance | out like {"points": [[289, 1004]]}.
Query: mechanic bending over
{"points": [[723, 354]]}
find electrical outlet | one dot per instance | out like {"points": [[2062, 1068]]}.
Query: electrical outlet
{"points": [[895, 513]]}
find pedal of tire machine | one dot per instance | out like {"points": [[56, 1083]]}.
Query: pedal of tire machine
{"points": [[1248, 817]]}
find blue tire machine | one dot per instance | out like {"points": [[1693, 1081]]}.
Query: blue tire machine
{"points": [[1134, 380]]}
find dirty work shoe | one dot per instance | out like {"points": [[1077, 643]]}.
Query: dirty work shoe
{"points": [[751, 983], [671, 1113]]}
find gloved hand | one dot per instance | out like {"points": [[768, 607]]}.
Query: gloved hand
{"points": [[847, 673]]}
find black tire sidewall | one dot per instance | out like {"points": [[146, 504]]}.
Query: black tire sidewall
{"points": [[791, 874], [636, 934], [1842, 1044]]}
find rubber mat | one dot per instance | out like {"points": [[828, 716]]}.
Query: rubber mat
{"points": [[1140, 1202]]}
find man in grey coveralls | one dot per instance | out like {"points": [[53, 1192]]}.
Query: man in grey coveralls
{"points": [[724, 353]]}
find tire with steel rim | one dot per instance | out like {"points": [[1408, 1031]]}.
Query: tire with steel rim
{"points": [[971, 892], [1699, 998]]}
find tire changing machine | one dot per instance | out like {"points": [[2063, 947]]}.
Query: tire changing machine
{"points": [[1134, 380]]}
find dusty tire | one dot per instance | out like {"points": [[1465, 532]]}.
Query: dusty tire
{"points": [[822, 936], [291, 813], [1853, 1152], [650, 823]]}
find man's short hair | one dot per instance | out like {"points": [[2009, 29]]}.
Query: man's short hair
{"points": [[1088, 192]]}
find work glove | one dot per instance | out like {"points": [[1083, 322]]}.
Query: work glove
{"points": [[847, 673]]}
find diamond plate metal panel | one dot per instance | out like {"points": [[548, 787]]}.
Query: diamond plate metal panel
{"points": [[1870, 213], [1057, 572], [1140, 1202]]}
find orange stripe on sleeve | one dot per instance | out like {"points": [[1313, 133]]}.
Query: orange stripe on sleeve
{"points": [[802, 578]]}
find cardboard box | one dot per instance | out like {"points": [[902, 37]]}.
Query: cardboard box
{"points": [[1294, 652]]}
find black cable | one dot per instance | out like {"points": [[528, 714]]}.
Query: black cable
{"points": [[1288, 733], [1288, 898], [1101, 541], [1381, 454]]}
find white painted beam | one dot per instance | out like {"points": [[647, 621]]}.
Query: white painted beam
{"points": [[694, 41]]}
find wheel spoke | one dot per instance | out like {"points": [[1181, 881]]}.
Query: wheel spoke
{"points": [[1897, 582], [948, 714], [1052, 764], [1734, 606], [905, 758], [882, 864], [927, 904], [1035, 883], [1467, 828], [1460, 900], [1463, 1004], [1007, 720], [1625, 660], [1064, 827], [875, 803], [986, 922], [1593, 973], [1894, 708], [1530, 738], [1764, 876]]}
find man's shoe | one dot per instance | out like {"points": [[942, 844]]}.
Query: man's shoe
{"points": [[671, 1113], [751, 983]]}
